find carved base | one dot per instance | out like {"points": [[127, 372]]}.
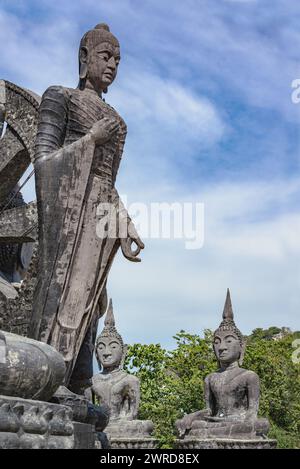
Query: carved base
{"points": [[133, 443], [27, 424], [133, 429], [218, 443]]}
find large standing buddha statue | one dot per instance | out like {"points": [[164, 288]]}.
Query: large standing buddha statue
{"points": [[79, 145]]}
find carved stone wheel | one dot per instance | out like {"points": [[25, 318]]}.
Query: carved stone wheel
{"points": [[18, 127]]}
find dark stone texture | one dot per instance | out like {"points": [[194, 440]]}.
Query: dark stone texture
{"points": [[133, 443], [15, 310], [20, 111], [27, 424], [83, 410], [193, 443], [16, 248], [29, 369], [18, 225], [17, 147], [84, 436]]}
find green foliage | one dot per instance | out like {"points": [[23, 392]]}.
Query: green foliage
{"points": [[172, 381], [265, 333]]}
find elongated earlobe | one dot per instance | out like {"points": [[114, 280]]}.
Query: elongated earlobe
{"points": [[83, 71], [83, 59]]}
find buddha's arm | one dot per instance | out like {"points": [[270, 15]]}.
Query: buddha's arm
{"points": [[208, 396], [253, 395], [133, 395], [53, 113]]}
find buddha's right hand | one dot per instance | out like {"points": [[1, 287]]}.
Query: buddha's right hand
{"points": [[103, 130], [184, 425]]}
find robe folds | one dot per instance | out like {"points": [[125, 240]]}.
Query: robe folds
{"points": [[75, 188]]}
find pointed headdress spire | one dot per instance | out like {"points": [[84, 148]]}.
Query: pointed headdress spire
{"points": [[110, 329], [109, 318], [228, 311], [228, 323]]}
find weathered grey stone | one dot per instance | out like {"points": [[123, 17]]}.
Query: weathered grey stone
{"points": [[231, 394], [83, 410], [18, 225], [194, 443], [29, 369], [21, 115], [116, 388], [79, 145], [14, 161], [28, 424], [133, 443], [20, 111], [16, 312], [84, 436]]}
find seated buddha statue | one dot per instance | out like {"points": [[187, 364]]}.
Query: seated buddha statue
{"points": [[231, 393], [116, 388]]}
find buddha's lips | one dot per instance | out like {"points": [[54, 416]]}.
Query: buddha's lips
{"points": [[107, 76]]}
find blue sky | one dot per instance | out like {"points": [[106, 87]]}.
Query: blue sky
{"points": [[205, 89]]}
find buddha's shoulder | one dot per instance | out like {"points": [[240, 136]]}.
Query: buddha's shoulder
{"points": [[246, 374], [249, 375], [124, 376], [212, 376], [57, 93], [119, 376]]}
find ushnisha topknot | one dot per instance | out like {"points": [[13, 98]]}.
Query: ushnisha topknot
{"points": [[109, 329], [100, 33], [228, 323]]}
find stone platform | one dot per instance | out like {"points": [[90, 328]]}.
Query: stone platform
{"points": [[133, 443], [193, 443], [28, 424]]}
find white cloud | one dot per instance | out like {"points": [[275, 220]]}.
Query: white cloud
{"points": [[166, 105]]}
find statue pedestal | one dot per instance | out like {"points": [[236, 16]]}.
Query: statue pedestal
{"points": [[133, 443], [28, 424], [224, 443], [130, 434]]}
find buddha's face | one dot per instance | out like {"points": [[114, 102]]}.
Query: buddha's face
{"points": [[109, 352], [227, 347], [102, 63]]}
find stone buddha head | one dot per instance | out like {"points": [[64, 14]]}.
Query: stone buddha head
{"points": [[99, 57], [110, 348], [228, 341]]}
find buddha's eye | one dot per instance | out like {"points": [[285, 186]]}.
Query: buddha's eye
{"points": [[104, 56]]}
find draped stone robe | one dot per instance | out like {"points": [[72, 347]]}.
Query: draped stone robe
{"points": [[73, 176]]}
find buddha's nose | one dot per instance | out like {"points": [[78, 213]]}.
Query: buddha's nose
{"points": [[111, 63]]}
